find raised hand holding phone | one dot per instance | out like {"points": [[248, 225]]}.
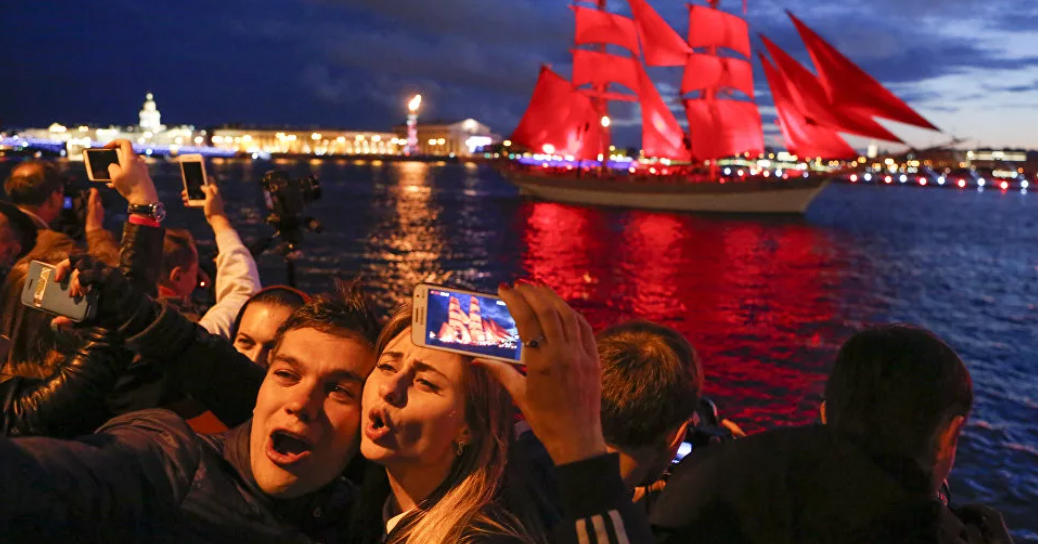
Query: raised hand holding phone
{"points": [[192, 171], [130, 177], [561, 393]]}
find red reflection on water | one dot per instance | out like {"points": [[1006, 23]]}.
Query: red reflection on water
{"points": [[748, 294]]}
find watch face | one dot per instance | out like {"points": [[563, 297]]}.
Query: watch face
{"points": [[158, 211]]}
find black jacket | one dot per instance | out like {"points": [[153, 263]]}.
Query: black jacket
{"points": [[70, 402], [147, 477], [798, 485]]}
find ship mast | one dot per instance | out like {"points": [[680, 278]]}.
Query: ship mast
{"points": [[710, 95], [602, 104]]}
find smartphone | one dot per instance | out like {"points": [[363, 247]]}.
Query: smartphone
{"points": [[464, 322], [68, 203], [192, 169], [43, 293], [684, 449], [97, 161]]}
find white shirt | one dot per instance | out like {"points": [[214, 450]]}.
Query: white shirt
{"points": [[237, 279]]}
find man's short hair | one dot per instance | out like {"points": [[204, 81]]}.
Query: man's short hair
{"points": [[893, 386], [651, 382], [343, 312], [32, 183], [178, 249]]}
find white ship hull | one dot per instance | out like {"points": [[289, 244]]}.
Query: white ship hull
{"points": [[748, 197]]}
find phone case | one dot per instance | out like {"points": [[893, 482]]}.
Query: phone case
{"points": [[196, 203], [43, 293]]}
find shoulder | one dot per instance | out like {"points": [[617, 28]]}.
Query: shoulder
{"points": [[150, 421], [160, 437]]}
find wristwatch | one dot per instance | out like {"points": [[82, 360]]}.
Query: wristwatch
{"points": [[155, 211]]}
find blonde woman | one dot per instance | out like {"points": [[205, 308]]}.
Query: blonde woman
{"points": [[439, 427]]}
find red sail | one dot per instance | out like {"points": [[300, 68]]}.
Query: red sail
{"points": [[560, 117], [662, 136], [813, 102], [601, 68], [802, 137], [709, 27], [724, 128], [661, 45], [850, 88], [595, 26], [710, 72]]}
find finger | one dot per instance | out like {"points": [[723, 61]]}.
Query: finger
{"points": [[547, 317], [61, 270], [567, 315], [93, 197], [61, 323], [114, 171], [74, 288], [587, 336], [525, 318], [509, 377]]}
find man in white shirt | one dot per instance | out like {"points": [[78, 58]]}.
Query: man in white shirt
{"points": [[237, 277]]}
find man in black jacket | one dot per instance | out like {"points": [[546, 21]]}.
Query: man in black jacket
{"points": [[147, 477], [896, 403]]}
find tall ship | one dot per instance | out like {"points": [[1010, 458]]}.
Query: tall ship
{"points": [[710, 167]]}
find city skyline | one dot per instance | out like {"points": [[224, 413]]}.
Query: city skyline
{"points": [[354, 63]]}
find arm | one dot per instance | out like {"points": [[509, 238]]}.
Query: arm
{"points": [[140, 256], [107, 487], [237, 278], [100, 242], [597, 505], [205, 365], [70, 402], [561, 397]]}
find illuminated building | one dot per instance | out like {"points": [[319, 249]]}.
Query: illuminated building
{"points": [[316, 141], [459, 139], [148, 133], [995, 158]]}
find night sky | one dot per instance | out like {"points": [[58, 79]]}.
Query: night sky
{"points": [[970, 66]]}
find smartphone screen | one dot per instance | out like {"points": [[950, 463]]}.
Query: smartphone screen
{"points": [[684, 449], [194, 179], [476, 324], [68, 203], [99, 161]]}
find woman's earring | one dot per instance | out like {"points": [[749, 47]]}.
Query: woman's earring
{"points": [[459, 448]]}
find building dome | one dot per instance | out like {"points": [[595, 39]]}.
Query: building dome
{"points": [[151, 117]]}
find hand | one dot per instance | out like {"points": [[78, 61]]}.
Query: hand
{"points": [[561, 394], [213, 207], [117, 299], [130, 177], [95, 218], [985, 520], [733, 428]]}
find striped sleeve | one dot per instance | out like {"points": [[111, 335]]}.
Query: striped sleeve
{"points": [[598, 507]]}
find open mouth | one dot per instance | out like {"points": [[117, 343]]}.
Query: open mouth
{"points": [[378, 425], [286, 448]]}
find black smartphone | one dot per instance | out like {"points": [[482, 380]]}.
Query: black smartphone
{"points": [[97, 161]]}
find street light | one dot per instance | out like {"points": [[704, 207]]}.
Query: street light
{"points": [[415, 103], [606, 121], [412, 125]]}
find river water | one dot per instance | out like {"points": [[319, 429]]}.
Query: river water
{"points": [[766, 302]]}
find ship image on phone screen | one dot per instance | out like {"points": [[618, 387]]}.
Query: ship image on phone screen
{"points": [[478, 325]]}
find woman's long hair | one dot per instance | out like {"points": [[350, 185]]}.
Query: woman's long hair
{"points": [[468, 503], [36, 349]]}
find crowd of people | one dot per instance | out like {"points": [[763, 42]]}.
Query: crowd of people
{"points": [[279, 416]]}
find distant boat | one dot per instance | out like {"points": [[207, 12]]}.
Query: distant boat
{"points": [[568, 120]]}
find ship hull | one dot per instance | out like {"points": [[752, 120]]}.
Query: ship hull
{"points": [[787, 197]]}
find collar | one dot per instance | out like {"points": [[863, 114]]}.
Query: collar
{"points": [[311, 513], [37, 220]]}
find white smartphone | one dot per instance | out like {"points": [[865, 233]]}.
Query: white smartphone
{"points": [[465, 322], [192, 170], [97, 161]]}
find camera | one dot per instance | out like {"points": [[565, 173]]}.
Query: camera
{"points": [[286, 201], [704, 428], [72, 220]]}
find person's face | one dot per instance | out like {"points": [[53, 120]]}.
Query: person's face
{"points": [[185, 279], [259, 324], [307, 415], [414, 406]]}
